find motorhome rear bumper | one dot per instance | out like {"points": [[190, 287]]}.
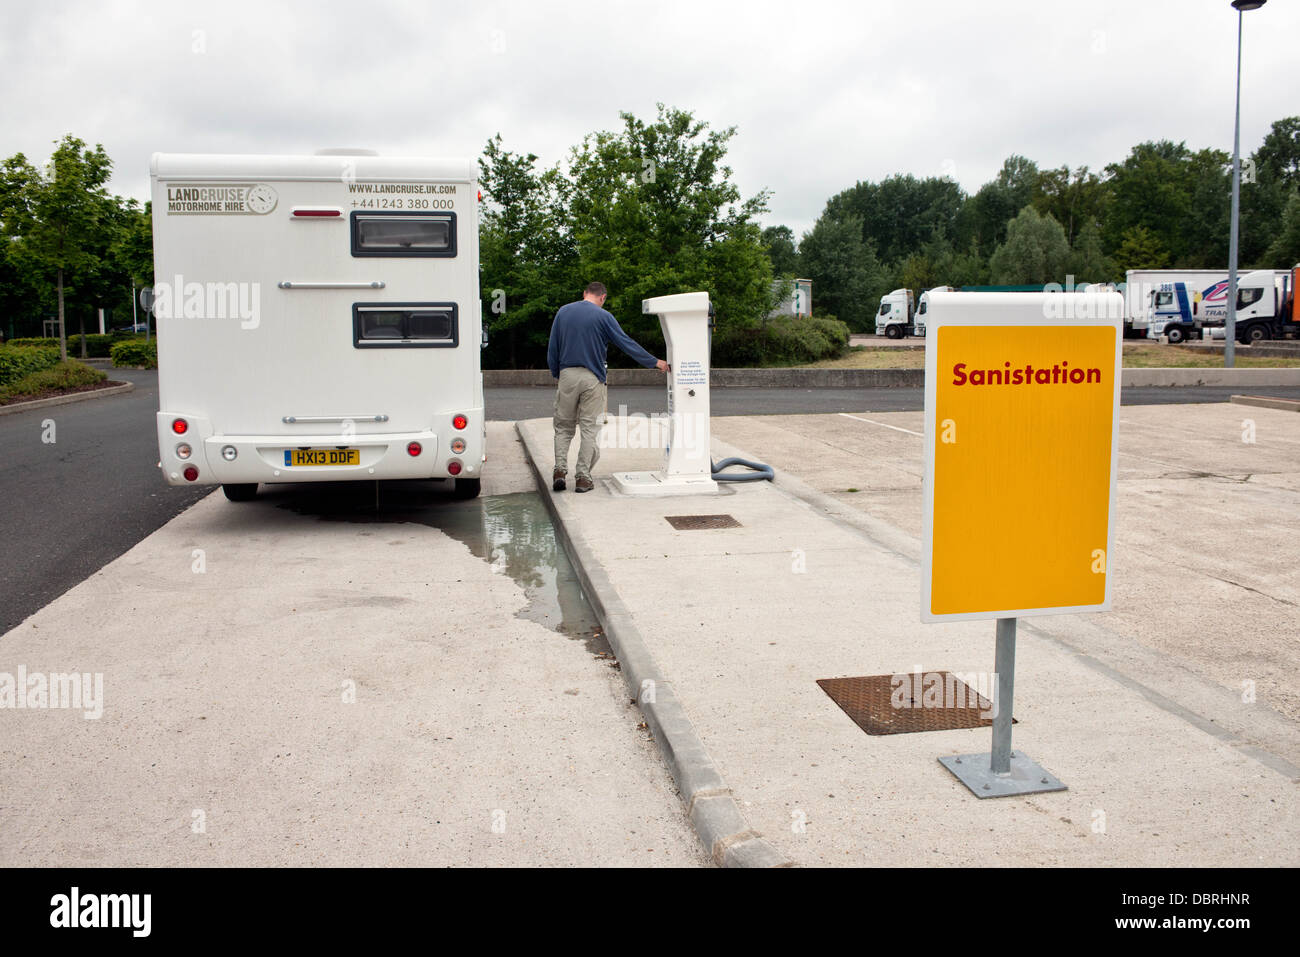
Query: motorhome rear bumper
{"points": [[262, 458]]}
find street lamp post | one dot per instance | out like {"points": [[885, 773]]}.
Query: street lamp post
{"points": [[1230, 326]]}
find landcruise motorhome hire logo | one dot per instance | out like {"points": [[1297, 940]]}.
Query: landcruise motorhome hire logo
{"points": [[221, 199]]}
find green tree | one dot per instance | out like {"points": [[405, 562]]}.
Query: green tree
{"points": [[20, 286], [65, 216], [655, 211], [133, 246], [1268, 181], [900, 214], [847, 277], [1285, 248], [1205, 229], [1279, 154], [1140, 249], [1180, 197], [1035, 251], [781, 251], [527, 259], [1073, 199], [984, 217], [1088, 261]]}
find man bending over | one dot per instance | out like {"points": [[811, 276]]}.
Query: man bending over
{"points": [[580, 338]]}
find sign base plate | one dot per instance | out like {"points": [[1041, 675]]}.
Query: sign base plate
{"points": [[657, 483], [1025, 777]]}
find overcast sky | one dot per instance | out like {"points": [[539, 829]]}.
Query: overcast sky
{"points": [[822, 94]]}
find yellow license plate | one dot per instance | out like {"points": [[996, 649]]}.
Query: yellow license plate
{"points": [[295, 457]]}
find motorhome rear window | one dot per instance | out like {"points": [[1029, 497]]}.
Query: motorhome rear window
{"points": [[394, 325], [403, 234]]}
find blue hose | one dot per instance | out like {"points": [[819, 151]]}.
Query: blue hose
{"points": [[761, 472]]}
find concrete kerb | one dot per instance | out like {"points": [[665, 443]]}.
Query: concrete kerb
{"points": [[713, 811], [1253, 378], [65, 399], [1267, 402]]}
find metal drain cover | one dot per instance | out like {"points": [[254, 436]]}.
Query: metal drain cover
{"points": [[902, 703], [687, 523]]}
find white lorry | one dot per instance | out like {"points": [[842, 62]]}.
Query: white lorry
{"points": [[1267, 306], [318, 320], [1207, 292], [923, 307], [894, 318]]}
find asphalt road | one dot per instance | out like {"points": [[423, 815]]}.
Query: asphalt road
{"points": [[73, 506]]}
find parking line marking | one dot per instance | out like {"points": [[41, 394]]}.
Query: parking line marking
{"points": [[881, 424]]}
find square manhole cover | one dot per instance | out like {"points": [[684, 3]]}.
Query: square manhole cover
{"points": [[898, 704], [688, 523]]}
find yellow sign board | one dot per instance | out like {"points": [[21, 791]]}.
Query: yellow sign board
{"points": [[1021, 418]]}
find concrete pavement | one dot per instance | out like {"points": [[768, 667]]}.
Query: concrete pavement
{"points": [[294, 681], [1142, 712]]}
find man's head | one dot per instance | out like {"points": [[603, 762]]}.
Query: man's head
{"points": [[595, 292]]}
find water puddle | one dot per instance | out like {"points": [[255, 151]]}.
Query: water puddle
{"points": [[512, 533]]}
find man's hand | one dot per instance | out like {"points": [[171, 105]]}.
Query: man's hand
{"points": [[662, 366]]}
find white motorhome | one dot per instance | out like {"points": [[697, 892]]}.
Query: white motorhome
{"points": [[318, 320]]}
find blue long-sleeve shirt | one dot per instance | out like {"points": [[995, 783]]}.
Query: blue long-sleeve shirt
{"points": [[580, 336]]}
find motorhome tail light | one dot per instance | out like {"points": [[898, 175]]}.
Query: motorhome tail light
{"points": [[190, 473], [414, 448], [180, 426], [310, 211], [459, 422], [458, 446], [183, 451], [229, 453], [453, 468]]}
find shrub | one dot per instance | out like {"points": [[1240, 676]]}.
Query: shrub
{"points": [[781, 341], [97, 346], [16, 362], [62, 375], [136, 353]]}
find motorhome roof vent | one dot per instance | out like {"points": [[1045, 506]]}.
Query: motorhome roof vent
{"points": [[346, 151]]}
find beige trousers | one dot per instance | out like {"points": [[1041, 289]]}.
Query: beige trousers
{"points": [[580, 406]]}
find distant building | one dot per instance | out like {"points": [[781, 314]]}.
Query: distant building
{"points": [[798, 298]]}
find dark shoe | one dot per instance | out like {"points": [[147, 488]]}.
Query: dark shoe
{"points": [[583, 485], [557, 480]]}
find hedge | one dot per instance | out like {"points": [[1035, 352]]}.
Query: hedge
{"points": [[97, 346], [782, 341], [17, 362], [61, 375], [136, 353]]}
